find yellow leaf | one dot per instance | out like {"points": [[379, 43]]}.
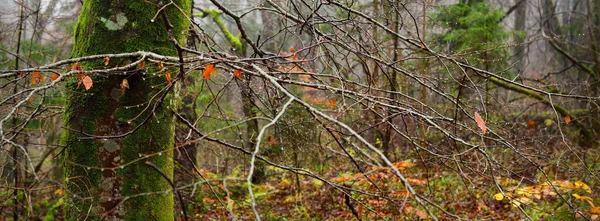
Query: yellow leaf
{"points": [[160, 65], [581, 185], [59, 191], [498, 196], [577, 196], [516, 203], [524, 200], [124, 84]]}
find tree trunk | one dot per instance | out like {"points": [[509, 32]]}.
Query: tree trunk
{"points": [[519, 51], [101, 173]]}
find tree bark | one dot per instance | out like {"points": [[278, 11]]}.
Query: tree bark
{"points": [[101, 173], [519, 51]]}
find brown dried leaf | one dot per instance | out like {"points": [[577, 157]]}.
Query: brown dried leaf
{"points": [[87, 82], [480, 122]]}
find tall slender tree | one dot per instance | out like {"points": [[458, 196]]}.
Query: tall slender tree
{"points": [[109, 127]]}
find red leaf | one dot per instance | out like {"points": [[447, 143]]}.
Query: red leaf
{"points": [[106, 60], [480, 122], [55, 76], [21, 74], [530, 124], [567, 119], [208, 70], [237, 73], [76, 67], [87, 82], [142, 65]]}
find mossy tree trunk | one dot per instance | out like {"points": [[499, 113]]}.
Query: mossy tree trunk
{"points": [[106, 27]]}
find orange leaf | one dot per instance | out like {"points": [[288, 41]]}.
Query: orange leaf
{"points": [[421, 214], [76, 67], [480, 122], [106, 60], [332, 103], [271, 140], [208, 70], [168, 76], [530, 124], [21, 74], [142, 65], [292, 50], [36, 77], [160, 65], [59, 191], [87, 82], [595, 210], [237, 73], [80, 76], [55, 76], [567, 119]]}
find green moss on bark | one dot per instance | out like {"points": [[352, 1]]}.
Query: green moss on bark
{"points": [[109, 27]]}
